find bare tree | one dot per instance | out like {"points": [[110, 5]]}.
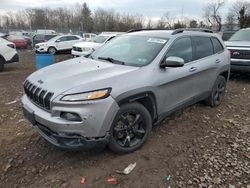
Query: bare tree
{"points": [[166, 21], [241, 12], [230, 21], [237, 6], [193, 24], [149, 24], [212, 13]]}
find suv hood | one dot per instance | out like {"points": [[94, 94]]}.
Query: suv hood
{"points": [[88, 44], [78, 75], [237, 43]]}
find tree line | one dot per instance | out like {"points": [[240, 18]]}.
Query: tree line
{"points": [[81, 18]]}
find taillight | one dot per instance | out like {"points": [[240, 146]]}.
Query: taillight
{"points": [[11, 45]]}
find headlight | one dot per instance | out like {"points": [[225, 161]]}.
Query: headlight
{"points": [[86, 96], [86, 49]]}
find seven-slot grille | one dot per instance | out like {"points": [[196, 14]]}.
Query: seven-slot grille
{"points": [[240, 54], [77, 49], [38, 95]]}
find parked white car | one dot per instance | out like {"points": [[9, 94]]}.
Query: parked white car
{"points": [[86, 48], [58, 43], [45, 31], [8, 53]]}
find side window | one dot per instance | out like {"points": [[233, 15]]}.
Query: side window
{"points": [[87, 36], [203, 46], [217, 45], [182, 48], [72, 38], [62, 39]]}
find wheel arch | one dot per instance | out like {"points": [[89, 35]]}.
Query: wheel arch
{"points": [[146, 98], [52, 47], [225, 74], [1, 57]]}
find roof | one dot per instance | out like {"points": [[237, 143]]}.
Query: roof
{"points": [[169, 33], [111, 33], [248, 28], [154, 33]]}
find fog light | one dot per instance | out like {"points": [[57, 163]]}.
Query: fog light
{"points": [[70, 116]]}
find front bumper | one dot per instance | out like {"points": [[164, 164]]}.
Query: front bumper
{"points": [[91, 132], [41, 49], [241, 65], [71, 142]]}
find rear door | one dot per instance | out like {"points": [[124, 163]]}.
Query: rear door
{"points": [[71, 40], [206, 63]]}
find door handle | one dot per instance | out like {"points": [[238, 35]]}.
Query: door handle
{"points": [[217, 61], [192, 69]]}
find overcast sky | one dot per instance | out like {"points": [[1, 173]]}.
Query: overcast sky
{"points": [[149, 8]]}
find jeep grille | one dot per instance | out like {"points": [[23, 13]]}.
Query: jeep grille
{"points": [[38, 95]]}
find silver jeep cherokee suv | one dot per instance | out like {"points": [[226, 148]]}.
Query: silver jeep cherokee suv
{"points": [[115, 95]]}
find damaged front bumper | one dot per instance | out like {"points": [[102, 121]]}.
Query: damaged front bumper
{"points": [[91, 132]]}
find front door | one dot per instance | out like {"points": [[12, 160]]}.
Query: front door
{"points": [[176, 85]]}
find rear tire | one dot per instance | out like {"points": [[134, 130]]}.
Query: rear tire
{"points": [[1, 64], [216, 96], [130, 128], [52, 50]]}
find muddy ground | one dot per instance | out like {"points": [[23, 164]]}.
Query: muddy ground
{"points": [[196, 147]]}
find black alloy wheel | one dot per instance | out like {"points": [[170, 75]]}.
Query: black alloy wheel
{"points": [[130, 128]]}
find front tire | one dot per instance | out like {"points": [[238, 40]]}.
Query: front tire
{"points": [[52, 50], [218, 92], [130, 128]]}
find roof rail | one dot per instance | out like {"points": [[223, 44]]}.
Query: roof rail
{"points": [[142, 29], [181, 30]]}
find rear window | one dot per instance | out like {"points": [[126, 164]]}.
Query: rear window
{"points": [[87, 35], [203, 46], [217, 45], [48, 37], [39, 37]]}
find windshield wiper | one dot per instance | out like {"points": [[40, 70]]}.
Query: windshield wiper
{"points": [[89, 56], [115, 61]]}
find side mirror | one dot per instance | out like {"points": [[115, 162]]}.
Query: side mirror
{"points": [[172, 62], [58, 40]]}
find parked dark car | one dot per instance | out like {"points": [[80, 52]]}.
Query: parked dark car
{"points": [[227, 34], [239, 47], [42, 38]]}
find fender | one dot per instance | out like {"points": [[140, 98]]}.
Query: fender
{"points": [[140, 95]]}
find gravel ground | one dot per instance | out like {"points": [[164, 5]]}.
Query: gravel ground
{"points": [[196, 147]]}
